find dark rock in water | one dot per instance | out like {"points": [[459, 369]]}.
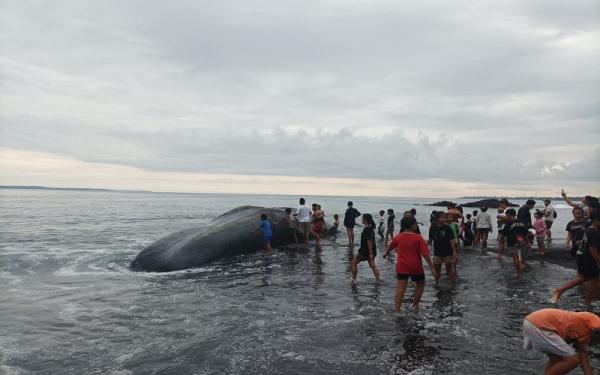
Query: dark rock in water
{"points": [[490, 203], [443, 204]]}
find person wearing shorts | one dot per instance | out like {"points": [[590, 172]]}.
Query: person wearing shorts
{"points": [[564, 336], [368, 249], [410, 248], [483, 223], [588, 263], [350, 221], [303, 216], [549, 216], [265, 226], [444, 248], [539, 225], [515, 234]]}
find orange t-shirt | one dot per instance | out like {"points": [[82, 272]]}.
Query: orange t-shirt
{"points": [[570, 326]]}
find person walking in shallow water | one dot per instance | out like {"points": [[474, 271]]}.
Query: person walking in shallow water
{"points": [[390, 225], [549, 216], [350, 221], [303, 216], [410, 248], [368, 248], [484, 225], [588, 263], [265, 227]]}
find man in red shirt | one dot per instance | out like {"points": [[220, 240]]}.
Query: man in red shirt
{"points": [[410, 248]]}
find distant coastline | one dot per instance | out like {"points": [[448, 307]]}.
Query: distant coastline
{"points": [[522, 198], [22, 187], [100, 190]]}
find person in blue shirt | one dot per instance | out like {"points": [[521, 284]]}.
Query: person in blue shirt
{"points": [[265, 226]]}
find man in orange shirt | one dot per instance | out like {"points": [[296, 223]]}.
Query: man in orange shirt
{"points": [[554, 331]]}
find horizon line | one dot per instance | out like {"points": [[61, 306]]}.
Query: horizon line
{"points": [[108, 190]]}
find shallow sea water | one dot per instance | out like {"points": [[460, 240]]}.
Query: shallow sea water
{"points": [[70, 305]]}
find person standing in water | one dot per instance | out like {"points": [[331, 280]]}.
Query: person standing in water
{"points": [[303, 216], [553, 332], [444, 249], [265, 226], [515, 234], [539, 224], [410, 248], [524, 213], [588, 263], [318, 222], [484, 225], [575, 230], [468, 234], [368, 248], [336, 224], [549, 216], [390, 225], [381, 225], [500, 221], [350, 221], [291, 222]]}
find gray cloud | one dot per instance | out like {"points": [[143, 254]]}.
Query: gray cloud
{"points": [[456, 90]]}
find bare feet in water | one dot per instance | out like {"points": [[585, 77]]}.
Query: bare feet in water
{"points": [[555, 296]]}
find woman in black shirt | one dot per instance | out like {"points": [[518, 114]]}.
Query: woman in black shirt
{"points": [[368, 249]]}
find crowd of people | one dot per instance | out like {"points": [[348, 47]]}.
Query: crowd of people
{"points": [[551, 331]]}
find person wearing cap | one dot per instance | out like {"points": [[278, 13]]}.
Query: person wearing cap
{"points": [[410, 248], [564, 336], [549, 216]]}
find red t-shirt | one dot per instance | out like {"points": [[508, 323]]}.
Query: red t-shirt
{"points": [[410, 247]]}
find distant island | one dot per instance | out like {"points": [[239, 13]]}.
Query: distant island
{"points": [[523, 198], [21, 187]]}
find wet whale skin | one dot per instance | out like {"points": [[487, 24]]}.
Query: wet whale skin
{"points": [[230, 234]]}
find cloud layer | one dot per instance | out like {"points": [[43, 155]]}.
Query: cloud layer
{"points": [[464, 92]]}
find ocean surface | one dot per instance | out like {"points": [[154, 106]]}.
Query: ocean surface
{"points": [[69, 304]]}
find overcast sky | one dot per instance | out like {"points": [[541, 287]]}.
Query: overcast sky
{"points": [[429, 98]]}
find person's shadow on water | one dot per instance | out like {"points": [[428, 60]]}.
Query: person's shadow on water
{"points": [[318, 267]]}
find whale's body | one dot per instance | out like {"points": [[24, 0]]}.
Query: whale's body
{"points": [[228, 235]]}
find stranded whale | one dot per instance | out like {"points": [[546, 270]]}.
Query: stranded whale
{"points": [[227, 235]]}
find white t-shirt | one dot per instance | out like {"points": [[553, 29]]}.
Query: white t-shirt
{"points": [[549, 213], [483, 220], [303, 214]]}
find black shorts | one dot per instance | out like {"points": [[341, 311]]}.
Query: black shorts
{"points": [[361, 257], [587, 268], [549, 224], [415, 278]]}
